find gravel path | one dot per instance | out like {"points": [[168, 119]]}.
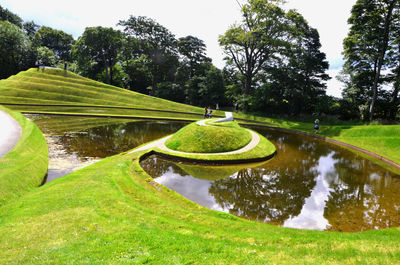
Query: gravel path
{"points": [[10, 132], [255, 139]]}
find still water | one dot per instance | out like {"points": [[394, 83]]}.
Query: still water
{"points": [[76, 142], [309, 184]]}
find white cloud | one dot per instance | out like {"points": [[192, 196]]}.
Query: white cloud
{"points": [[334, 86]]}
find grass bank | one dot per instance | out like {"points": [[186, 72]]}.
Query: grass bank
{"points": [[113, 213], [24, 167]]}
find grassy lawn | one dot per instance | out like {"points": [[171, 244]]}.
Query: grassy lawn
{"points": [[24, 167]]}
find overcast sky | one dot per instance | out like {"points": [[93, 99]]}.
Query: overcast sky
{"points": [[205, 19]]}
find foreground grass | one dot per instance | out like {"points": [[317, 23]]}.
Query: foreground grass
{"points": [[24, 167], [113, 213]]}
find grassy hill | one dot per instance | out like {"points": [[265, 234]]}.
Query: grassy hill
{"points": [[59, 87]]}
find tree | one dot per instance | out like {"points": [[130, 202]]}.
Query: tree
{"points": [[13, 48], [30, 28], [250, 44], [46, 56], [193, 52], [101, 46], [6, 15], [56, 40], [211, 89], [368, 42], [299, 77], [158, 43]]}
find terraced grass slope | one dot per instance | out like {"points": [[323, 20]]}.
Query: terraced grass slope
{"points": [[24, 167], [59, 87]]}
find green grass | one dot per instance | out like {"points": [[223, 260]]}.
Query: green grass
{"points": [[113, 213], [24, 167], [55, 86], [263, 150], [194, 138]]}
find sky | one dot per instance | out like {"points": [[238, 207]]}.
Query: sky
{"points": [[205, 19]]}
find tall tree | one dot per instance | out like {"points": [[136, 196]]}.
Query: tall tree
{"points": [[13, 47], [56, 40], [250, 44], [159, 44], [102, 45], [193, 52], [367, 45], [6, 15]]}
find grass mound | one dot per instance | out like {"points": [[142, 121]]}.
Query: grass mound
{"points": [[24, 167], [194, 138], [56, 86]]}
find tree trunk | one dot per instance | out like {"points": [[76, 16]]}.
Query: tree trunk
{"points": [[106, 69], [111, 72], [395, 100], [381, 57]]}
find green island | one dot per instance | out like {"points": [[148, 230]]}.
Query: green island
{"points": [[195, 138], [113, 212]]}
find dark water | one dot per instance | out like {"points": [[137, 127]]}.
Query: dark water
{"points": [[309, 184], [76, 142]]}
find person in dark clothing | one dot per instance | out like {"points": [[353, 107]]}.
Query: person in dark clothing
{"points": [[205, 112], [316, 126]]}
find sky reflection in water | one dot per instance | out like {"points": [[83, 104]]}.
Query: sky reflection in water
{"points": [[309, 184]]}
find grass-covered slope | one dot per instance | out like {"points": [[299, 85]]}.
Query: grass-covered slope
{"points": [[24, 167], [113, 213], [195, 138], [56, 86]]}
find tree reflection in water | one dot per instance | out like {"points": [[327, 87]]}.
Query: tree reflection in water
{"points": [[309, 184]]}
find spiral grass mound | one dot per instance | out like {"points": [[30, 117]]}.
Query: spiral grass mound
{"points": [[216, 143], [224, 137]]}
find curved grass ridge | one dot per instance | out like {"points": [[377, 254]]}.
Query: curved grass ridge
{"points": [[56, 86], [194, 138], [24, 167], [264, 150]]}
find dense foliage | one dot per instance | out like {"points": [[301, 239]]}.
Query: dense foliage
{"points": [[273, 65], [372, 51]]}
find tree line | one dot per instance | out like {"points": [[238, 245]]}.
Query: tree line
{"points": [[274, 64]]}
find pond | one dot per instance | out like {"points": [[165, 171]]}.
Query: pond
{"points": [[310, 184]]}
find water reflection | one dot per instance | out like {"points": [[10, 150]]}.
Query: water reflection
{"points": [[309, 184], [75, 142]]}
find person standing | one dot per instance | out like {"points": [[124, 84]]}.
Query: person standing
{"points": [[316, 126], [210, 113], [205, 112]]}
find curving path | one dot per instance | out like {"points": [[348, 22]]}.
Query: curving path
{"points": [[10, 132], [255, 139]]}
